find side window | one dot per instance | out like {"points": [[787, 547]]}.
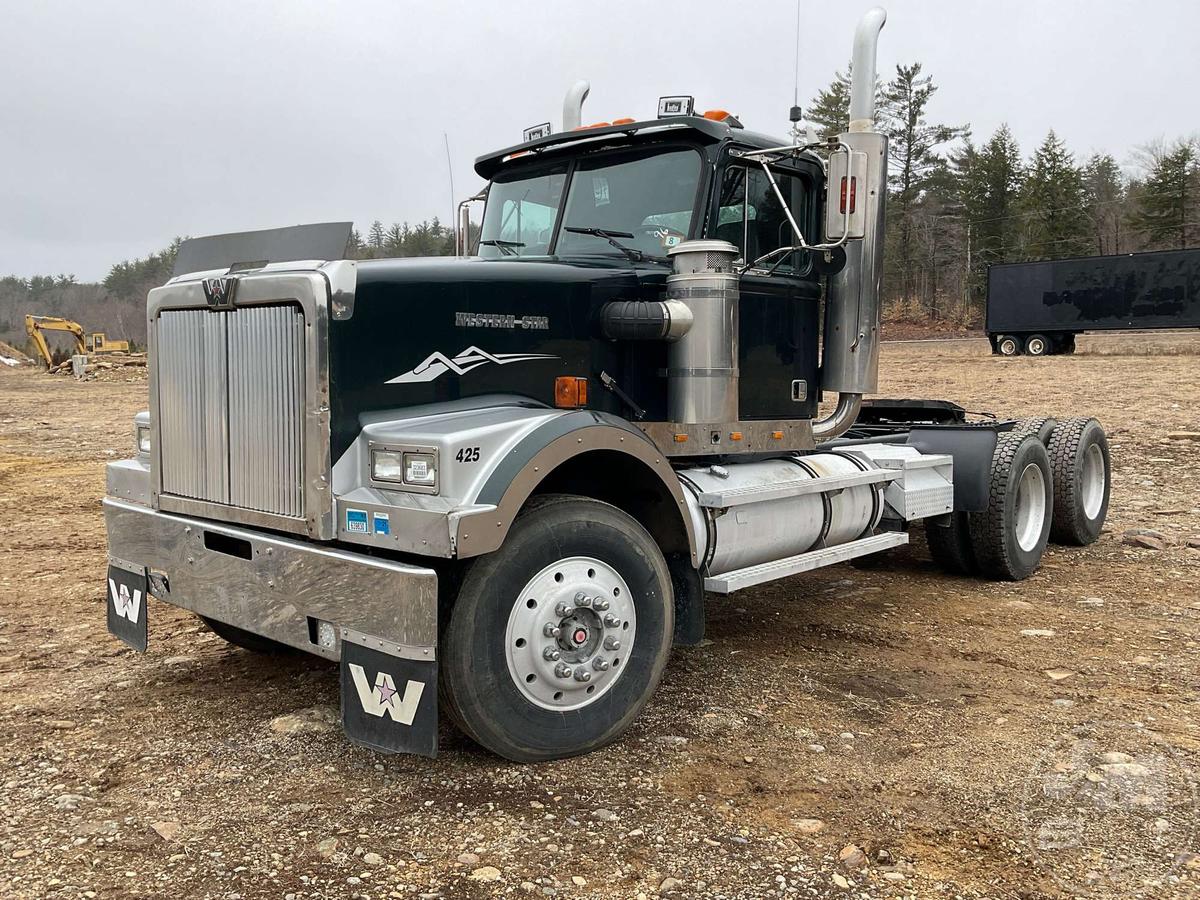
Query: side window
{"points": [[751, 217]]}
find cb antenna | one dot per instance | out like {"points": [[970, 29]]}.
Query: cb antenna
{"points": [[795, 115], [450, 171]]}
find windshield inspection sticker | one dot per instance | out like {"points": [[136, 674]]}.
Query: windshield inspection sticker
{"points": [[600, 190], [380, 523], [356, 521]]}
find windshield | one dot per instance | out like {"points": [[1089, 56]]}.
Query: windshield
{"points": [[520, 213], [645, 200]]}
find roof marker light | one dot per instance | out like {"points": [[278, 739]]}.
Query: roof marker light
{"points": [[676, 106], [537, 132]]}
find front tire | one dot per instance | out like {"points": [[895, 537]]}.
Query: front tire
{"points": [[247, 640], [558, 639], [1082, 470], [1010, 536]]}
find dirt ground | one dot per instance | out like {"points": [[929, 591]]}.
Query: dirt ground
{"points": [[883, 732]]}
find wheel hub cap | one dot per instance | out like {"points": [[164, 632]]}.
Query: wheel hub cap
{"points": [[569, 633]]}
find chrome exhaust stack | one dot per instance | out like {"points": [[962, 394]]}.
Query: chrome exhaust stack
{"points": [[572, 116], [850, 353]]}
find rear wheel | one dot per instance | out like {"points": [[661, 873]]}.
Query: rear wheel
{"points": [[1037, 345], [1008, 345], [1010, 536], [247, 640], [1042, 426], [558, 639], [1082, 471]]}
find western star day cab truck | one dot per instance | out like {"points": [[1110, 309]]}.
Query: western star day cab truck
{"points": [[501, 486]]}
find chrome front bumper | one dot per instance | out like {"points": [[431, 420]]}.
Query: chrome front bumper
{"points": [[272, 586]]}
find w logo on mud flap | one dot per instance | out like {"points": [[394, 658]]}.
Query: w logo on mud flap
{"points": [[382, 698], [127, 605]]}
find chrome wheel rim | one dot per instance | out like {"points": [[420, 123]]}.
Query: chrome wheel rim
{"points": [[1093, 481], [1008, 347], [569, 633], [1030, 506], [1036, 347]]}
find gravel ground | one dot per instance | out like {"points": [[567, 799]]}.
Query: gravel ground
{"points": [[881, 732]]}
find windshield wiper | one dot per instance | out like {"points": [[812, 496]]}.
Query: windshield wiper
{"points": [[611, 237], [505, 247]]}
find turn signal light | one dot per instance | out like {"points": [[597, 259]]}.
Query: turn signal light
{"points": [[624, 121], [717, 115], [681, 438], [777, 435], [735, 435], [570, 392]]}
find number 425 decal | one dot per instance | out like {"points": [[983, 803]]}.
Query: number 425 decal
{"points": [[467, 454]]}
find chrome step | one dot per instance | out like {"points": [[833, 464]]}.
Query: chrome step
{"points": [[803, 562], [757, 493]]}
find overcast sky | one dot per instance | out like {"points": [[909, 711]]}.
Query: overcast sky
{"points": [[127, 123]]}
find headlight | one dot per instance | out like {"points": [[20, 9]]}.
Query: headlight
{"points": [[142, 436], [387, 465], [415, 468], [420, 469]]}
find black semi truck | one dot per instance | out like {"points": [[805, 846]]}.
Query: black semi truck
{"points": [[501, 486], [1037, 308]]}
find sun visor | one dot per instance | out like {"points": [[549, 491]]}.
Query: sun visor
{"points": [[254, 249]]}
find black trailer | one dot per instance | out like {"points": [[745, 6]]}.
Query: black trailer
{"points": [[1037, 308]]}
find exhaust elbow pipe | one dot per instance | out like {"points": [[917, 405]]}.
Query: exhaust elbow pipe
{"points": [[863, 69], [572, 116], [840, 420]]}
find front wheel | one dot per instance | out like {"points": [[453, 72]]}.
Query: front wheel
{"points": [[558, 639]]}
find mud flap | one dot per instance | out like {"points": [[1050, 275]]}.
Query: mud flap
{"points": [[127, 608], [389, 699]]}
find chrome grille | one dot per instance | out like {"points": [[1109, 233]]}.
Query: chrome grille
{"points": [[231, 406]]}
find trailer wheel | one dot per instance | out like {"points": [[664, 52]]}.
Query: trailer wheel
{"points": [[559, 638], [1042, 426], [1037, 345], [950, 545], [247, 640], [1082, 471], [1008, 345], [1010, 536]]}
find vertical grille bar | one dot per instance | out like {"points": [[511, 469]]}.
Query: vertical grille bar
{"points": [[231, 403]]}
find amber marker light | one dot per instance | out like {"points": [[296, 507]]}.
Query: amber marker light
{"points": [[570, 392]]}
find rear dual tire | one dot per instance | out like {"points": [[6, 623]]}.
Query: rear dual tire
{"points": [[1005, 541], [1079, 459]]}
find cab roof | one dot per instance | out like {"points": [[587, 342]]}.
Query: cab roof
{"points": [[713, 130]]}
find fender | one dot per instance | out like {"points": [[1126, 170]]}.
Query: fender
{"points": [[513, 480]]}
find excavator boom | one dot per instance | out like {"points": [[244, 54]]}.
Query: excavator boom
{"points": [[35, 325]]}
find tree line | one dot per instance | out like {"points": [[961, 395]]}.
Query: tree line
{"points": [[957, 204]]}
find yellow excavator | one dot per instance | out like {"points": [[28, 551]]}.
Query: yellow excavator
{"points": [[95, 342]]}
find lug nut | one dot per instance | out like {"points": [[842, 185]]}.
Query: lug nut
{"points": [[562, 670], [562, 608], [600, 603], [551, 630], [582, 674], [551, 653], [611, 643], [600, 664], [611, 621], [583, 600]]}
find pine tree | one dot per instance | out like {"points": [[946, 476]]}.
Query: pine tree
{"points": [[1168, 209], [915, 166], [989, 185], [375, 237], [1104, 188], [1054, 204], [830, 109]]}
